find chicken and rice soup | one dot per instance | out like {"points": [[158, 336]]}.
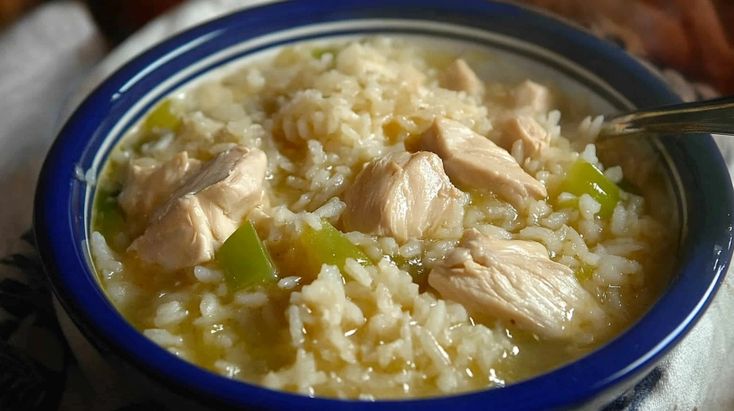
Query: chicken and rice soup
{"points": [[370, 220]]}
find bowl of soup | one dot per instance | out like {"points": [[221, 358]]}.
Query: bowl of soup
{"points": [[326, 205]]}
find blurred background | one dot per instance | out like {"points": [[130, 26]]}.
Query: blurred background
{"points": [[690, 36]]}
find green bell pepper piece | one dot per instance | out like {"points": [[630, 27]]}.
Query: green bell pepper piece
{"points": [[245, 260], [584, 272], [328, 246], [161, 118], [109, 218], [318, 52], [414, 266], [584, 178]]}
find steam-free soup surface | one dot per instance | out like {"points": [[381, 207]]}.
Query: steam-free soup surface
{"points": [[373, 219]]}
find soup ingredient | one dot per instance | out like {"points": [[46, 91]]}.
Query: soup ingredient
{"points": [[584, 178], [475, 161], [533, 136], [190, 227], [532, 97], [328, 246], [515, 281], [149, 184], [459, 76], [245, 260], [403, 195], [318, 52], [161, 118], [110, 219]]}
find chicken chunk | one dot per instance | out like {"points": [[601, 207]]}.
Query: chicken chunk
{"points": [[403, 195], [205, 211], [475, 161], [148, 184], [533, 97], [514, 281], [460, 77], [524, 128]]}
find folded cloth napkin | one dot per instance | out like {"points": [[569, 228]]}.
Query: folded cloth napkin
{"points": [[47, 57]]}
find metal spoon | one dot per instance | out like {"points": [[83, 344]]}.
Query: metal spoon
{"points": [[708, 116]]}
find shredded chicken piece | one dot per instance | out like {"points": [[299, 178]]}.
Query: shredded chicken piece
{"points": [[148, 185], [189, 228], [524, 128], [516, 282], [460, 77], [475, 161], [403, 195], [532, 97]]}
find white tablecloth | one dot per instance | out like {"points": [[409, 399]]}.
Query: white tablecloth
{"points": [[49, 56]]}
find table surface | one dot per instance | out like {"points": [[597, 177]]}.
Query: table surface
{"points": [[48, 61]]}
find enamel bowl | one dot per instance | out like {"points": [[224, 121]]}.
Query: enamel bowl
{"points": [[539, 45]]}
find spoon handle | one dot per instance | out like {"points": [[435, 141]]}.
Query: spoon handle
{"points": [[708, 116]]}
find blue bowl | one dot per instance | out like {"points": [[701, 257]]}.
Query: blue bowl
{"points": [[64, 198]]}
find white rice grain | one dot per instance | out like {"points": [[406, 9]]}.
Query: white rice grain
{"points": [[207, 275], [410, 249], [614, 174], [251, 299], [289, 283], [104, 257], [163, 337], [589, 155], [357, 272], [169, 314], [332, 209], [588, 206]]}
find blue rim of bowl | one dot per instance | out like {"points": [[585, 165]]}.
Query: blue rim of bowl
{"points": [[60, 221]]}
